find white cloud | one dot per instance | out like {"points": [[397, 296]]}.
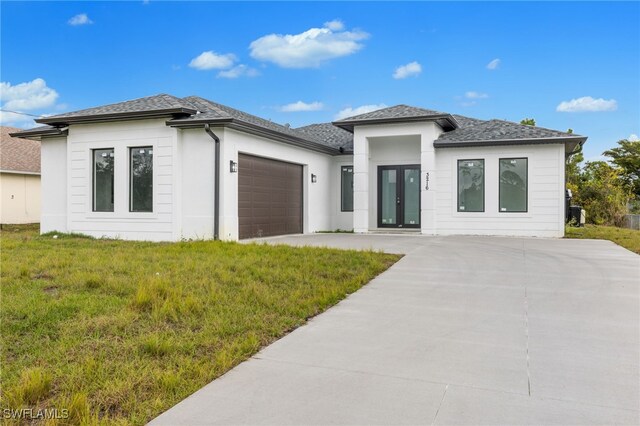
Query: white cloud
{"points": [[493, 65], [335, 25], [302, 106], [16, 120], [308, 49], [27, 96], [633, 138], [476, 95], [412, 69], [350, 112], [587, 104], [210, 60], [80, 19], [239, 71]]}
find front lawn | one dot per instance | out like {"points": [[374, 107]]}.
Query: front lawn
{"points": [[627, 238], [120, 331]]}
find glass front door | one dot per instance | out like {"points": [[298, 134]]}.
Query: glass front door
{"points": [[399, 196]]}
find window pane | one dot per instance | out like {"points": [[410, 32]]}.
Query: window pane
{"points": [[513, 185], [347, 189], [411, 196], [141, 179], [103, 180], [470, 185], [388, 194]]}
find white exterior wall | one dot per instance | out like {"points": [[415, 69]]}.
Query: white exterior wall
{"points": [[398, 144], [340, 220], [160, 225], [318, 197], [545, 217], [184, 182], [197, 151], [53, 174], [20, 198], [383, 151]]}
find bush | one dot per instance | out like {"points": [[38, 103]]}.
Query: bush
{"points": [[602, 194]]}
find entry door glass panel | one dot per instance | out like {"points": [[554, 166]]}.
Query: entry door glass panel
{"points": [[389, 197], [411, 196]]}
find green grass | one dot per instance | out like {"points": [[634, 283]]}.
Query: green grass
{"points": [[627, 238], [118, 331]]}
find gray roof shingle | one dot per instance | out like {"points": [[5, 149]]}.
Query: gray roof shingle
{"points": [[156, 103], [331, 135], [397, 111], [473, 130], [18, 155], [327, 137], [212, 110]]}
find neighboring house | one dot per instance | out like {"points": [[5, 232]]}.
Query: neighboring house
{"points": [[19, 179], [166, 168]]}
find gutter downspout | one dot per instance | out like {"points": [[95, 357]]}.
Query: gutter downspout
{"points": [[216, 183]]}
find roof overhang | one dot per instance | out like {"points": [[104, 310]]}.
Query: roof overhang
{"points": [[39, 133], [253, 129], [446, 121], [570, 142], [115, 116]]}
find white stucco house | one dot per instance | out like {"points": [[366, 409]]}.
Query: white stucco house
{"points": [[165, 168]]}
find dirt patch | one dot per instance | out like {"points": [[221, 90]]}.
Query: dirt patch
{"points": [[42, 276]]}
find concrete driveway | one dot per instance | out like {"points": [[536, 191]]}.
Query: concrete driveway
{"points": [[462, 330]]}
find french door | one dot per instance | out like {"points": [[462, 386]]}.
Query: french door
{"points": [[399, 196]]}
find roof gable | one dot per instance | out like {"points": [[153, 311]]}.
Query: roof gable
{"points": [[397, 111], [398, 114]]}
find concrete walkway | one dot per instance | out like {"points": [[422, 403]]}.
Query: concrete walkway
{"points": [[462, 330]]}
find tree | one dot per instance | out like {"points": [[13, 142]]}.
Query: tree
{"points": [[602, 193], [528, 121], [573, 171], [627, 158]]}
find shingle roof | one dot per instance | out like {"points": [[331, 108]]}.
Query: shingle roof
{"points": [[325, 137], [212, 110], [397, 111], [18, 155], [474, 130], [149, 104], [330, 135], [398, 114]]}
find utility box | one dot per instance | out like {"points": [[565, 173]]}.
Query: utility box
{"points": [[577, 216]]}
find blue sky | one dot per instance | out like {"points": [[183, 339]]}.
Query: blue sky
{"points": [[568, 65]]}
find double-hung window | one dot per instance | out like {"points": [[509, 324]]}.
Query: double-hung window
{"points": [[346, 204], [471, 185], [103, 162], [141, 179], [513, 185]]}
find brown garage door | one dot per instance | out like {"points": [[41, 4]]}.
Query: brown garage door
{"points": [[269, 197]]}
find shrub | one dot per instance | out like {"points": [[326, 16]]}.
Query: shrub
{"points": [[602, 194]]}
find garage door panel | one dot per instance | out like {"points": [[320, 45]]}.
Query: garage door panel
{"points": [[269, 197]]}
